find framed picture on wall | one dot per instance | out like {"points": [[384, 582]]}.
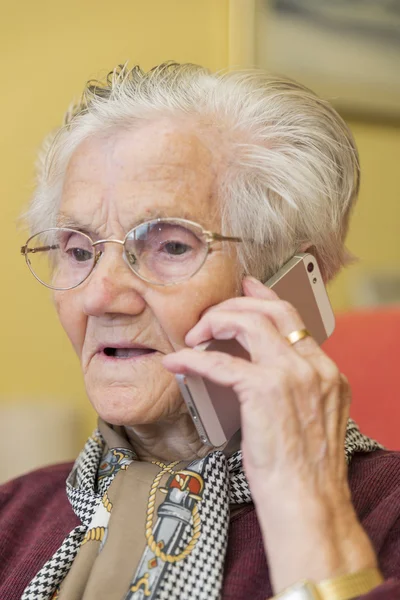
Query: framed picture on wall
{"points": [[348, 51]]}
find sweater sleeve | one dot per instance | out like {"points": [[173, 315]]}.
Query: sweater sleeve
{"points": [[389, 590], [383, 526], [390, 561]]}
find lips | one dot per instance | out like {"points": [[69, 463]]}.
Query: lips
{"points": [[113, 351], [129, 352]]}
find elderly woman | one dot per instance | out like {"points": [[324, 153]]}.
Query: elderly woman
{"points": [[306, 507]]}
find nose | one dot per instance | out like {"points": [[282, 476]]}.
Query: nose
{"points": [[112, 288]]}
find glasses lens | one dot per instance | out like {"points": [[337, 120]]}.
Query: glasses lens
{"points": [[166, 251], [60, 258]]}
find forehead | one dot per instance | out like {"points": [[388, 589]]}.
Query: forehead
{"points": [[163, 168]]}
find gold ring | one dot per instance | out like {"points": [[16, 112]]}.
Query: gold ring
{"points": [[296, 336]]}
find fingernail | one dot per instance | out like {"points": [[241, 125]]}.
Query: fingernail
{"points": [[252, 282], [253, 279]]}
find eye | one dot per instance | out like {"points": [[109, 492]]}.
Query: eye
{"points": [[175, 248], [76, 247], [80, 254]]}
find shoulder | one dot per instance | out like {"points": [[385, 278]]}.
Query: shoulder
{"points": [[35, 517], [373, 462], [51, 472], [374, 480], [375, 487], [374, 476], [38, 496], [34, 485]]}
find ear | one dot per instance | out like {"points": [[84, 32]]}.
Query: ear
{"points": [[308, 247]]}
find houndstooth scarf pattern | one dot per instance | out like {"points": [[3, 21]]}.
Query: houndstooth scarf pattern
{"points": [[199, 575]]}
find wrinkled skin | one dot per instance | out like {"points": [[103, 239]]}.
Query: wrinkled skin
{"points": [[294, 401], [111, 183]]}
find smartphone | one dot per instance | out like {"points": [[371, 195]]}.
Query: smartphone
{"points": [[215, 410]]}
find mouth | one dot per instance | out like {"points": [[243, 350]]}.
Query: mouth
{"points": [[124, 353]]}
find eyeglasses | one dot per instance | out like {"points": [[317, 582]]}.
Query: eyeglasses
{"points": [[161, 251]]}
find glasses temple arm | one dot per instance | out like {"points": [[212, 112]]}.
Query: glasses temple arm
{"points": [[217, 237], [26, 250]]}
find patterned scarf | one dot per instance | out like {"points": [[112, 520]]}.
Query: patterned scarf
{"points": [[181, 524]]}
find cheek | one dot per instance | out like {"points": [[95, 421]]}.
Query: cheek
{"points": [[183, 307], [71, 318]]}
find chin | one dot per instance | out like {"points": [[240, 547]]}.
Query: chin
{"points": [[136, 405]]}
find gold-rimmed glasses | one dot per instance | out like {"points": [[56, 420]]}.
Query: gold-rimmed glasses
{"points": [[163, 252]]}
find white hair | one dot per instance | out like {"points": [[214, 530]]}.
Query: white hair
{"points": [[292, 173]]}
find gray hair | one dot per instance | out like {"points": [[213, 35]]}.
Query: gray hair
{"points": [[292, 170]]}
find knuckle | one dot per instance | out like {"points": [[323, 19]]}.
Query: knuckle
{"points": [[225, 360], [276, 380], [309, 377], [250, 386], [345, 388], [256, 321], [344, 381], [331, 373], [257, 326], [286, 308]]}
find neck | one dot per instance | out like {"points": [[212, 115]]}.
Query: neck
{"points": [[167, 441]]}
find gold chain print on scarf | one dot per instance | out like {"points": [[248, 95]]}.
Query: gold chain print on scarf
{"points": [[184, 480], [97, 533], [116, 459]]}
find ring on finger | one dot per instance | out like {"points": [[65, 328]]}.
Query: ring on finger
{"points": [[297, 335]]}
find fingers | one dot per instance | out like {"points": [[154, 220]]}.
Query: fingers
{"points": [[253, 330], [259, 300], [254, 323], [283, 314], [335, 391], [220, 368], [337, 413], [266, 392], [254, 287], [283, 383]]}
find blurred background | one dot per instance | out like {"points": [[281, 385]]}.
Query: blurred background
{"points": [[349, 51]]}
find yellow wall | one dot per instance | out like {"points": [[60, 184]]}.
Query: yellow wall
{"points": [[375, 228], [49, 50]]}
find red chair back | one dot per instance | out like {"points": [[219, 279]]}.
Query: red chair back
{"points": [[366, 347]]}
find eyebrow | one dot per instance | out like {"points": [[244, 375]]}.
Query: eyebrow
{"points": [[64, 220]]}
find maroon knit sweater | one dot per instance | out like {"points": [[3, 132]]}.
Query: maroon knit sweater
{"points": [[35, 516]]}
